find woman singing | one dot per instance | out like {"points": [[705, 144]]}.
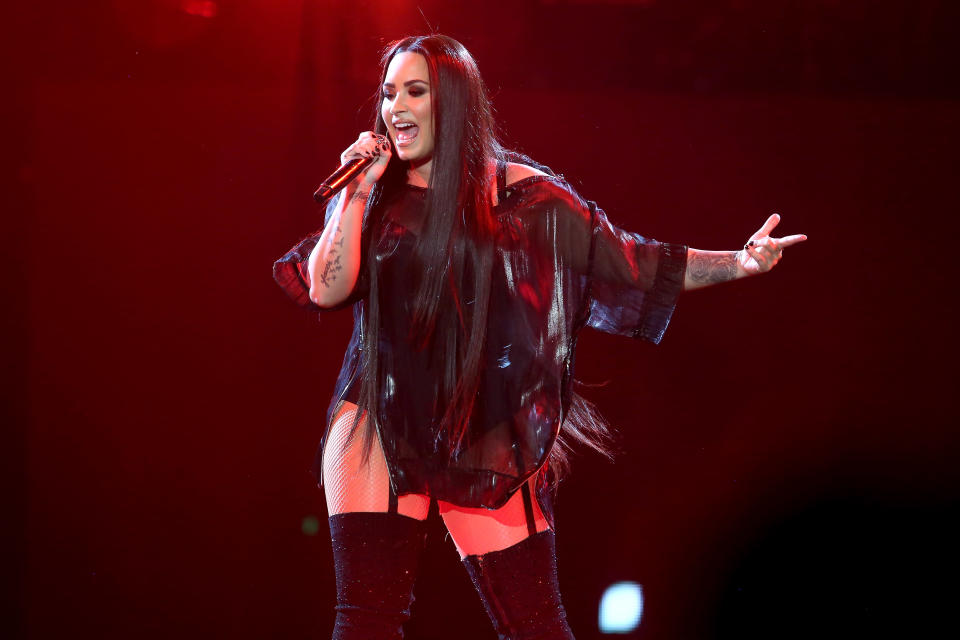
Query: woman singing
{"points": [[471, 271]]}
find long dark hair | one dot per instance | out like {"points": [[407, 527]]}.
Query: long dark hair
{"points": [[454, 248], [457, 236]]}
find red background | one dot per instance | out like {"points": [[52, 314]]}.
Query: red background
{"points": [[789, 461]]}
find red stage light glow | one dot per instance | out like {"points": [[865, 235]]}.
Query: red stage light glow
{"points": [[202, 8]]}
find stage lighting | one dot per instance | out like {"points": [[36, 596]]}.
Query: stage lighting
{"points": [[310, 526], [621, 607], [202, 8]]}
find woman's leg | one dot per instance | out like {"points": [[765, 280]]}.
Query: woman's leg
{"points": [[376, 541], [352, 484], [510, 556], [479, 531]]}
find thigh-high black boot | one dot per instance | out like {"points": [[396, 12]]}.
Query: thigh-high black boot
{"points": [[375, 557], [519, 589]]}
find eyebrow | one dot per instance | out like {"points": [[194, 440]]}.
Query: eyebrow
{"points": [[407, 83]]}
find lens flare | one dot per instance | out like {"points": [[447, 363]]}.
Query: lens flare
{"points": [[621, 607]]}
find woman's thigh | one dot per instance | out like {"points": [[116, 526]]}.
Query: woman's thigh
{"points": [[352, 483], [476, 531]]}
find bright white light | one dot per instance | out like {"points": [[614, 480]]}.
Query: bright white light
{"points": [[621, 607]]}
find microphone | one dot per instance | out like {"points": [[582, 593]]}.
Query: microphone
{"points": [[340, 178]]}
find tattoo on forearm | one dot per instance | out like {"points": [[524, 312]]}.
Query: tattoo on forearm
{"points": [[361, 195], [712, 268], [332, 265], [330, 270]]}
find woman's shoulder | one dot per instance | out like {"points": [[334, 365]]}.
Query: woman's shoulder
{"points": [[536, 185], [536, 197], [517, 172]]}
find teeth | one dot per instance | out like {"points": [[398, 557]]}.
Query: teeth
{"points": [[405, 134]]}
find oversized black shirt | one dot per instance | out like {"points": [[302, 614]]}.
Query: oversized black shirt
{"points": [[559, 265]]}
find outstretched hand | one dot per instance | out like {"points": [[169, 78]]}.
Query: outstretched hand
{"points": [[762, 252]]}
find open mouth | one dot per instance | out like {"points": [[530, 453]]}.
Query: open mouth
{"points": [[406, 133]]}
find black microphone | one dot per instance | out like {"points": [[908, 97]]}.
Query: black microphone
{"points": [[340, 178]]}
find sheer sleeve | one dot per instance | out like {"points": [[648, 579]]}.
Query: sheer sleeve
{"points": [[292, 274], [633, 282]]}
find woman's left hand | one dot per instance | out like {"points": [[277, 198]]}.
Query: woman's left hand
{"points": [[762, 252]]}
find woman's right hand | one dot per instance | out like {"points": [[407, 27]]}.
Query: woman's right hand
{"points": [[369, 145], [334, 262]]}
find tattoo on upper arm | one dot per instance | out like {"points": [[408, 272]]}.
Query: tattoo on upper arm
{"points": [[712, 268]]}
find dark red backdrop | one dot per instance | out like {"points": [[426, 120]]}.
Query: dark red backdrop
{"points": [[789, 462]]}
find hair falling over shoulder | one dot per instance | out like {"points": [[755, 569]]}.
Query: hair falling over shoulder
{"points": [[455, 248]]}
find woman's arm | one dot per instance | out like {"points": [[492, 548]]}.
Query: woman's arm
{"points": [[760, 254], [334, 263], [711, 267], [335, 260]]}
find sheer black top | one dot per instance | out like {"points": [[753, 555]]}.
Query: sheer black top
{"points": [[559, 265]]}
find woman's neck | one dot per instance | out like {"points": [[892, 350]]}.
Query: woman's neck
{"points": [[419, 175]]}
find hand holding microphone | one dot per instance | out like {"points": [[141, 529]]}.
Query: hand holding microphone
{"points": [[367, 157]]}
